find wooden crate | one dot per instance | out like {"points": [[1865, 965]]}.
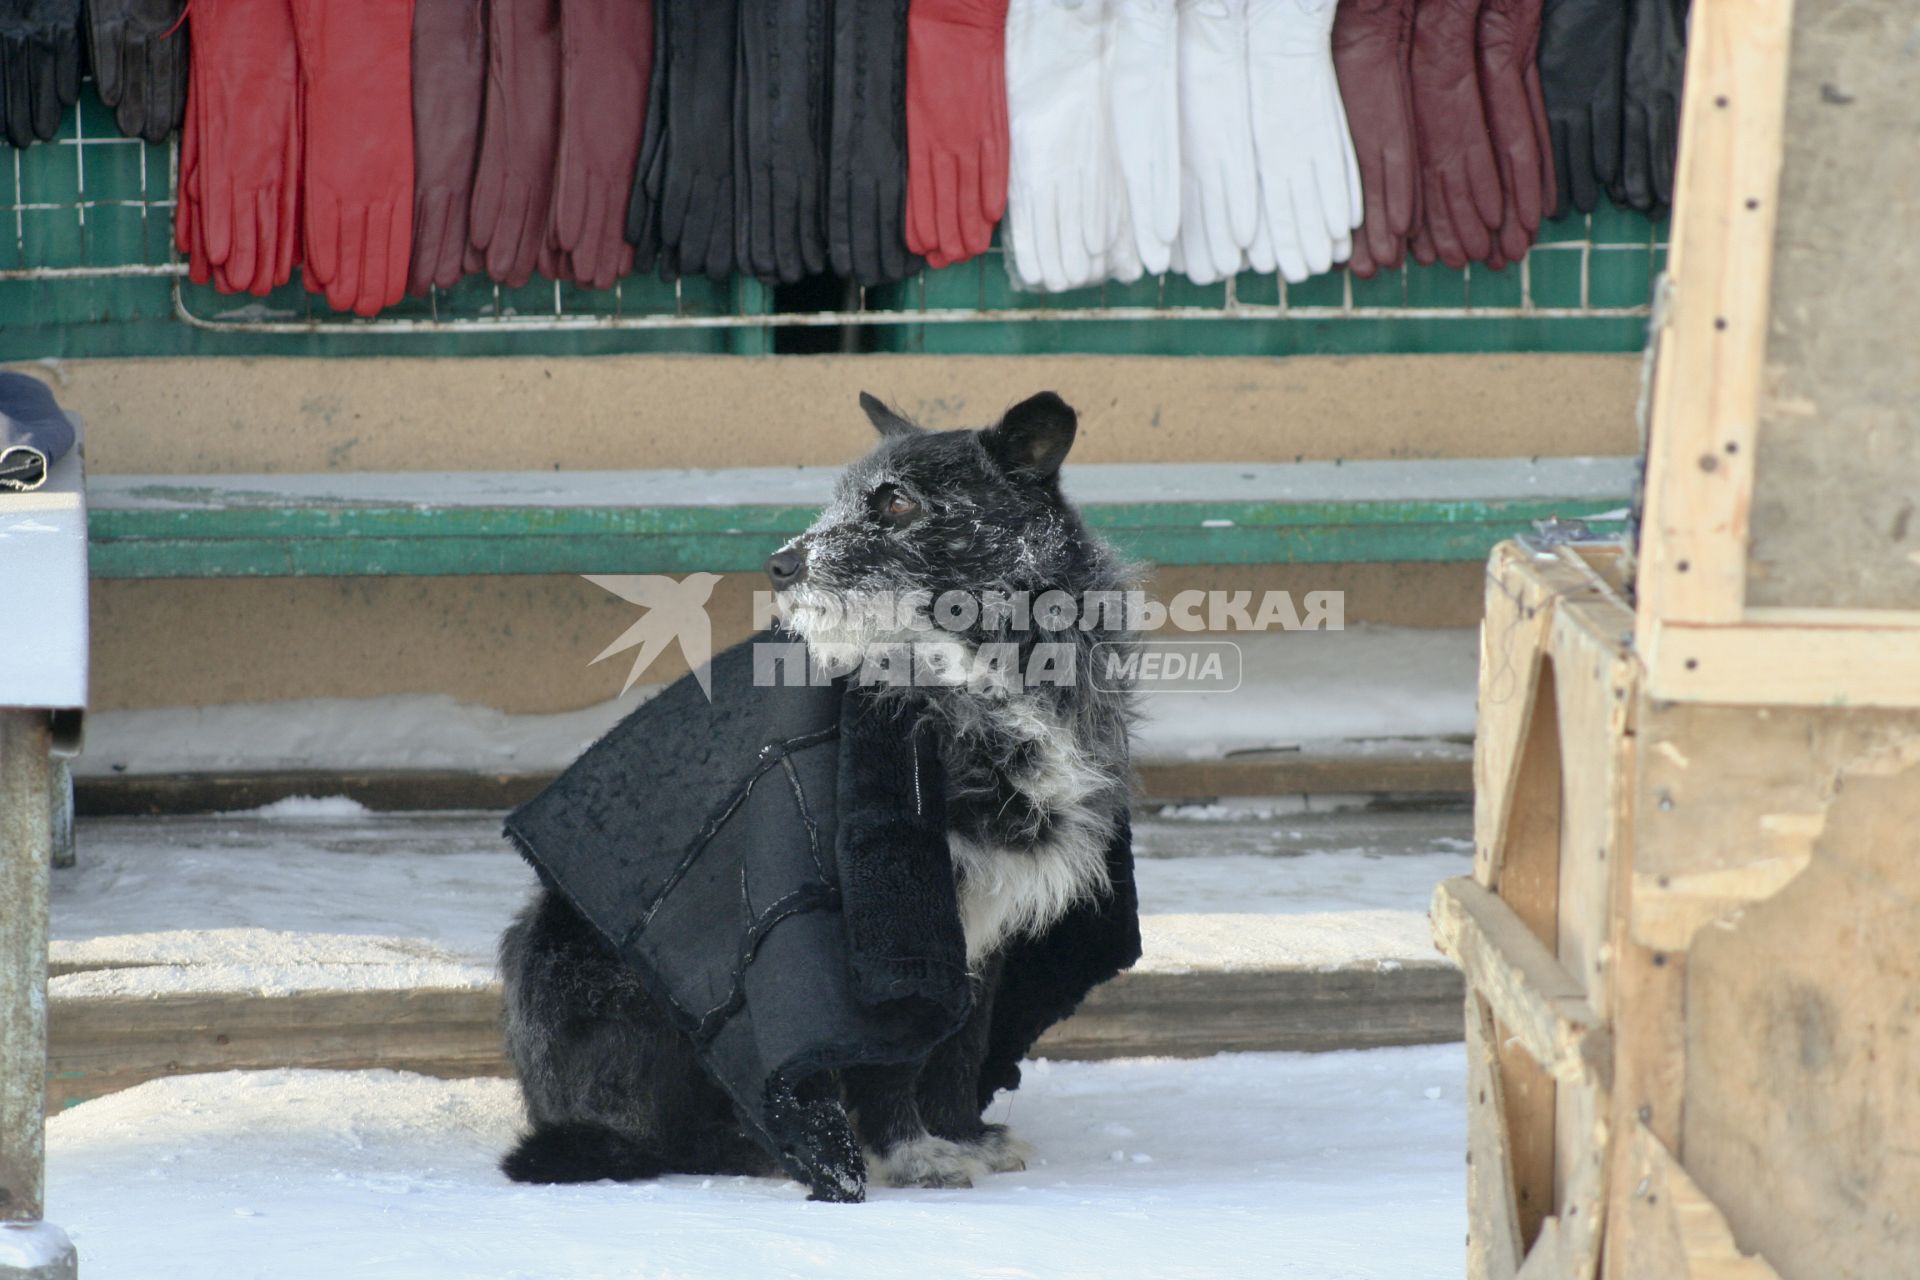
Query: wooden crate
{"points": [[1692, 935]]}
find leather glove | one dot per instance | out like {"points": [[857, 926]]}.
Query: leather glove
{"points": [[519, 136], [1656, 63], [138, 50], [40, 66], [606, 55], [779, 123], [681, 214], [956, 126], [1516, 118], [449, 93], [1143, 109], [1582, 51], [239, 207], [867, 153], [1059, 169], [1219, 183], [1461, 199], [1310, 196], [1372, 49], [356, 85]]}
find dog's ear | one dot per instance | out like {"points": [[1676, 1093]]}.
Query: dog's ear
{"points": [[888, 423], [1033, 438]]}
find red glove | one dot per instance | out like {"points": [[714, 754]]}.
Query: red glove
{"points": [[1517, 118], [449, 89], [1460, 183], [513, 188], [956, 126], [606, 56], [356, 86], [1372, 47], [238, 214]]}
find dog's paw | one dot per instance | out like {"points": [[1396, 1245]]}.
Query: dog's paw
{"points": [[1000, 1150], [926, 1161]]}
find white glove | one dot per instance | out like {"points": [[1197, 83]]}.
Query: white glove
{"points": [[1143, 105], [1059, 215], [1309, 177], [1219, 194]]}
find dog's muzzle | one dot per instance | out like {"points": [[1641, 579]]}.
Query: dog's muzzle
{"points": [[786, 567]]}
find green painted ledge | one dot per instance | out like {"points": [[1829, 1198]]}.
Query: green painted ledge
{"points": [[401, 524]]}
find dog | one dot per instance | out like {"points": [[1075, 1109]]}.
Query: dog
{"points": [[1037, 775]]}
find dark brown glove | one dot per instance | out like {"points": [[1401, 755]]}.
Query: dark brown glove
{"points": [[1460, 183], [513, 186], [1516, 118], [449, 90], [1372, 49], [606, 56]]}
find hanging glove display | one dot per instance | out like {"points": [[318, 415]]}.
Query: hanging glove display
{"points": [[867, 151], [519, 135], [239, 215], [1509, 55], [1310, 198], [681, 212], [1058, 172], [1582, 49], [606, 55], [1372, 50], [138, 51], [449, 88], [1219, 187], [956, 126], [1143, 110], [356, 79], [1655, 62], [39, 66], [1460, 196], [780, 127]]}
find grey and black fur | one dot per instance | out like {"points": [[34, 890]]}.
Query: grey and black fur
{"points": [[1037, 783]]}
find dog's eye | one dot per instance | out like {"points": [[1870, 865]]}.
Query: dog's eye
{"points": [[895, 506]]}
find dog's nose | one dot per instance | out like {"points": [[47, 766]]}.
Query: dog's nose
{"points": [[786, 568]]}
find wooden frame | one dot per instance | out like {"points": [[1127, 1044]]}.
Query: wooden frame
{"points": [[1696, 632]]}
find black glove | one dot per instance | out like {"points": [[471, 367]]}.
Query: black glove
{"points": [[138, 50], [1582, 47], [681, 215], [1656, 63], [40, 63], [867, 155], [779, 125]]}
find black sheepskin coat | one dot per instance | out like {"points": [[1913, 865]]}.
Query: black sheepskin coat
{"points": [[773, 863]]}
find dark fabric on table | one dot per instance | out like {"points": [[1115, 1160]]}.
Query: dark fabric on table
{"points": [[35, 432]]}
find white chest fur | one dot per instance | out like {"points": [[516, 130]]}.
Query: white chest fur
{"points": [[1009, 893]]}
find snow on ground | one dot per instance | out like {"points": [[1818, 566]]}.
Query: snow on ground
{"points": [[451, 879], [1339, 1166], [1298, 687]]}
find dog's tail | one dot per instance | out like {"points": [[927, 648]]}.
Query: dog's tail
{"points": [[582, 1153]]}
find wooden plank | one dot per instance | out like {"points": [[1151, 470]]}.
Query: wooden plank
{"points": [[1712, 339], [1534, 999], [26, 849], [104, 1043], [1805, 665], [1676, 1231], [1837, 456], [1493, 1214]]}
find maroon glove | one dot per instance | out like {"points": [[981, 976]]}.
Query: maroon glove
{"points": [[1372, 45], [449, 90], [513, 188], [1459, 181], [238, 214], [956, 126], [1517, 118], [606, 55], [356, 91]]}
